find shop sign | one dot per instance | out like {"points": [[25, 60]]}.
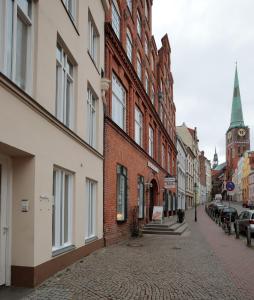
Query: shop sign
{"points": [[157, 213], [169, 183], [153, 167]]}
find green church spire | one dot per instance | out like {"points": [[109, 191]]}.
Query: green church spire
{"points": [[236, 113]]}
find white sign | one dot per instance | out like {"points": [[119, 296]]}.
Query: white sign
{"points": [[169, 182], [231, 193], [153, 167], [157, 213]]}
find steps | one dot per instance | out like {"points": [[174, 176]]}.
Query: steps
{"points": [[167, 228]]}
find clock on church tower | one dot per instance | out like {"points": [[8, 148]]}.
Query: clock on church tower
{"points": [[238, 135]]}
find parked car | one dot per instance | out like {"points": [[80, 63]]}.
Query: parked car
{"points": [[217, 209], [245, 219], [226, 212]]}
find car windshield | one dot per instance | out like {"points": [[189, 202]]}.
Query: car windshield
{"points": [[229, 209]]}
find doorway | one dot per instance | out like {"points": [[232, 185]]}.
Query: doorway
{"points": [[153, 198], [4, 221]]}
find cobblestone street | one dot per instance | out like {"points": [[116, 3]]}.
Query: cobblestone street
{"points": [[153, 267]]}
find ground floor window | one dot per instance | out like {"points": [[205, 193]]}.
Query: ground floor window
{"points": [[121, 193], [141, 194], [90, 209], [62, 209]]}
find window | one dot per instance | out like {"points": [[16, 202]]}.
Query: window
{"points": [[121, 193], [139, 68], [151, 142], [62, 209], [153, 95], [147, 83], [163, 156], [139, 24], [15, 38], [116, 18], [129, 4], [64, 88], [141, 196], [138, 126], [152, 62], [118, 103], [146, 10], [169, 159], [71, 7], [91, 118], [146, 45], [129, 44], [93, 40], [90, 209]]}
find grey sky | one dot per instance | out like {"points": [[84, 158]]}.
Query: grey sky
{"points": [[207, 37]]}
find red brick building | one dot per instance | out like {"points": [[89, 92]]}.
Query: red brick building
{"points": [[140, 133]]}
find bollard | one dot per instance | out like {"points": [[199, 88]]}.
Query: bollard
{"points": [[237, 231], [248, 234]]}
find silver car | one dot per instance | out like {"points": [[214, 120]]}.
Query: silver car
{"points": [[245, 219]]}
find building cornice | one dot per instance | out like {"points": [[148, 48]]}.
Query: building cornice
{"points": [[22, 96]]}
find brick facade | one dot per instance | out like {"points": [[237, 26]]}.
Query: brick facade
{"points": [[159, 114]]}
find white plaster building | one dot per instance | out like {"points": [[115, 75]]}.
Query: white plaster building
{"points": [[51, 138], [181, 173]]}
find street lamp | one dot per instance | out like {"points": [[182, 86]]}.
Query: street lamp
{"points": [[195, 194]]}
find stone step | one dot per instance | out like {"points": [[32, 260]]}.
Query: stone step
{"points": [[178, 231], [173, 226]]}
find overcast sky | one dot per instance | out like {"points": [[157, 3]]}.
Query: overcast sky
{"points": [[206, 38]]}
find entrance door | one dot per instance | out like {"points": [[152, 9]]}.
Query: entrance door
{"points": [[151, 203], [4, 266]]}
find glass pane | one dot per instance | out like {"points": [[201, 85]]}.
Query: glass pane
{"points": [[25, 6], [66, 209], [9, 40], [68, 104], [21, 53], [121, 198], [59, 53]]}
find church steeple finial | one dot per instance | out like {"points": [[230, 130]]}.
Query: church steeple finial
{"points": [[236, 112], [215, 159]]}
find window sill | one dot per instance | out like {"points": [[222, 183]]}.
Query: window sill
{"points": [[121, 222], [91, 239], [94, 63], [63, 250]]}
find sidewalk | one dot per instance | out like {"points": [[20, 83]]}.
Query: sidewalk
{"points": [[234, 255]]}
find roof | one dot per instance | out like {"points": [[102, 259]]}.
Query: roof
{"points": [[192, 132], [220, 167], [236, 112]]}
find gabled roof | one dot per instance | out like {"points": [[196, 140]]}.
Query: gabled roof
{"points": [[221, 167]]}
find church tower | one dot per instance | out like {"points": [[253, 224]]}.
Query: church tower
{"points": [[215, 160], [237, 135]]}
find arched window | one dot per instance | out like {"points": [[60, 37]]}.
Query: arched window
{"points": [[139, 24], [139, 68], [152, 62], [116, 20], [129, 4], [146, 10], [147, 83], [129, 44], [146, 45]]}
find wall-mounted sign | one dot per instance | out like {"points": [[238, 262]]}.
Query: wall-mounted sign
{"points": [[24, 205], [153, 167], [169, 183], [157, 213]]}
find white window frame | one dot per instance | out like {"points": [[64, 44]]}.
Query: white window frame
{"points": [[116, 18], [129, 44], [58, 209], [138, 126], [64, 74], [71, 6], [139, 24], [94, 40], [8, 40], [151, 142], [139, 67], [141, 197], [147, 83], [91, 209], [118, 102], [91, 118]]}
